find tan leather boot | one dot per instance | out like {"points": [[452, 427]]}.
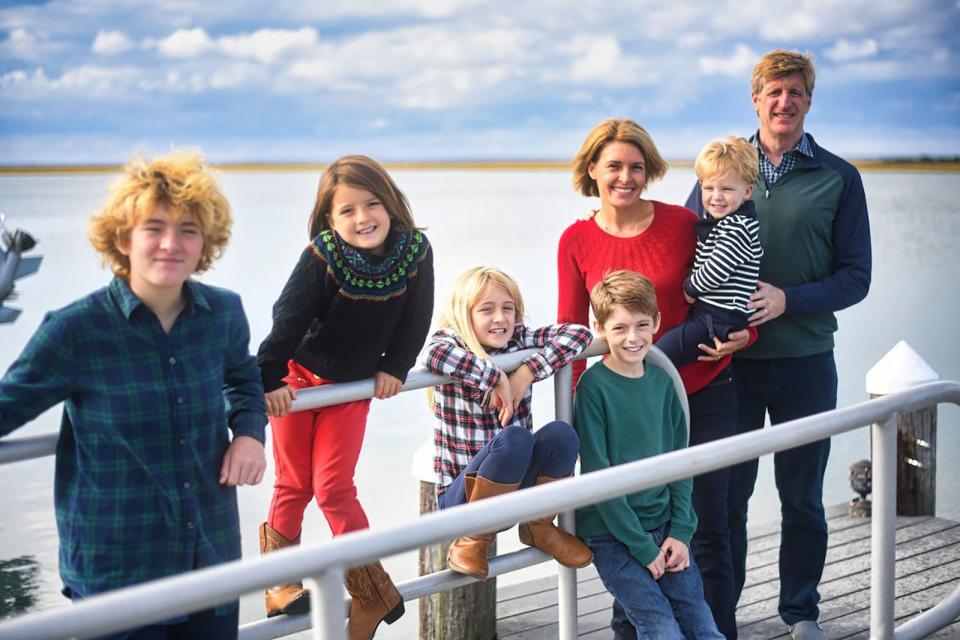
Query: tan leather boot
{"points": [[375, 599], [284, 598], [565, 548], [469, 554]]}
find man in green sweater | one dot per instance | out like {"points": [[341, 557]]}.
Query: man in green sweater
{"points": [[815, 235], [627, 410]]}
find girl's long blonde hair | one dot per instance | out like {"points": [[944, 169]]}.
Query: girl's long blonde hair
{"points": [[466, 291]]}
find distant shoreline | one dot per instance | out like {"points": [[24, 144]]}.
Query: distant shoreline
{"points": [[910, 165]]}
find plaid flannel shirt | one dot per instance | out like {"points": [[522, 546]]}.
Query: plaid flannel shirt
{"points": [[144, 429], [465, 419]]}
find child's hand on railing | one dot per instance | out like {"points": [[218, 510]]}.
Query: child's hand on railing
{"points": [[279, 401], [386, 386]]}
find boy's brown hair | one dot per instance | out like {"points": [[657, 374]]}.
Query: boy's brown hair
{"points": [[629, 289], [728, 154], [182, 182]]}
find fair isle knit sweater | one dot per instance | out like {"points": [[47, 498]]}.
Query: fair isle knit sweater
{"points": [[346, 313], [663, 253]]}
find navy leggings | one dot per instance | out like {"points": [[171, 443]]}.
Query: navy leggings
{"points": [[517, 454]]}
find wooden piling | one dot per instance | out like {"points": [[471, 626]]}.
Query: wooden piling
{"points": [[465, 613], [902, 368]]}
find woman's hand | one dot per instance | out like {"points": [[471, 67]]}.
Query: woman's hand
{"points": [[735, 341], [520, 382], [279, 401], [676, 555], [501, 398], [768, 302], [386, 386]]}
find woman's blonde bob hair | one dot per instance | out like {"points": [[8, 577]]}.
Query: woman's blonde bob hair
{"points": [[615, 130], [359, 172], [180, 181], [467, 290]]}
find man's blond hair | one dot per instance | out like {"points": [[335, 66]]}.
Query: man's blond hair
{"points": [[780, 63]]}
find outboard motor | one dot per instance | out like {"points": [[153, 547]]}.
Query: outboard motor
{"points": [[14, 266]]}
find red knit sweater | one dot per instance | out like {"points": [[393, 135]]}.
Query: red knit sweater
{"points": [[663, 253]]}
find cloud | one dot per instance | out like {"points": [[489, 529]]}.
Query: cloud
{"points": [[738, 64], [266, 45], [110, 43], [845, 50], [185, 43]]}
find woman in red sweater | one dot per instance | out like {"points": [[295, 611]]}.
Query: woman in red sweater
{"points": [[616, 162]]}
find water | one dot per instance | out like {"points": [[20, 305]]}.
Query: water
{"points": [[511, 219]]}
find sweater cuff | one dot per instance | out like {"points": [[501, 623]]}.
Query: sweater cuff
{"points": [[396, 370], [689, 289], [247, 423]]}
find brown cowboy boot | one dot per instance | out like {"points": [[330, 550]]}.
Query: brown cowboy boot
{"points": [[374, 599], [565, 548], [468, 554], [284, 598]]}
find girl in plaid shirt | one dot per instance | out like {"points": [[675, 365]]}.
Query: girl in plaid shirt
{"points": [[485, 445]]}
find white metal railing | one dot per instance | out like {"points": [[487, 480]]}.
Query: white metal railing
{"points": [[326, 563]]}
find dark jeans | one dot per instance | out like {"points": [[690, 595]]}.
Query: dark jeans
{"points": [[517, 454], [671, 608], [202, 625], [787, 389], [702, 324], [713, 415]]}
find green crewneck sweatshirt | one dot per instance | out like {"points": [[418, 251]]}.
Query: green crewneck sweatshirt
{"points": [[621, 420]]}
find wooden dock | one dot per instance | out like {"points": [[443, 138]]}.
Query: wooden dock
{"points": [[927, 570]]}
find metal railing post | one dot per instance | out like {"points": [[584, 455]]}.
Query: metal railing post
{"points": [[566, 577], [326, 604], [883, 528]]}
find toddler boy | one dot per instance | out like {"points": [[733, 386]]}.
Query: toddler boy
{"points": [[727, 261]]}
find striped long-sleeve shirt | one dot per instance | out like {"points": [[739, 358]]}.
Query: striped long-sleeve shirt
{"points": [[727, 262], [465, 419]]}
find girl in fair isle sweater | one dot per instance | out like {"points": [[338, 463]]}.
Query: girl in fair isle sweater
{"points": [[358, 304], [484, 441]]}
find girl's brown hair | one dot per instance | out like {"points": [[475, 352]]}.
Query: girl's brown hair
{"points": [[359, 172]]}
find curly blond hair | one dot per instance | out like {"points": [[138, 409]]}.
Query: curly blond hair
{"points": [[182, 182], [728, 154]]}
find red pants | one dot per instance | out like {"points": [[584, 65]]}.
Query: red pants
{"points": [[316, 453]]}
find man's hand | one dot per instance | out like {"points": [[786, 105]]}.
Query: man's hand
{"points": [[676, 555], [520, 382], [735, 341], [279, 401], [243, 463], [501, 398], [387, 386], [767, 302]]}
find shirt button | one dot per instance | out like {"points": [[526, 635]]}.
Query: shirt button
{"points": [[183, 441], [186, 485], [173, 360], [179, 399], [189, 525]]}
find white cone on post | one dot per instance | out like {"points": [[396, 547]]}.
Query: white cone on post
{"points": [[902, 368]]}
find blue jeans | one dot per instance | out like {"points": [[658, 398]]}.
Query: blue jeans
{"points": [[518, 455], [670, 608], [787, 389], [702, 324]]}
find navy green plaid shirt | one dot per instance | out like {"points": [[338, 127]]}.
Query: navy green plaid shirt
{"points": [[144, 430]]}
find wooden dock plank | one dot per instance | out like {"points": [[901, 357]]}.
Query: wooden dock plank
{"points": [[927, 570]]}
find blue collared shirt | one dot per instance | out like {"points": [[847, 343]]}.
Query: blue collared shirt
{"points": [[788, 160], [144, 430]]}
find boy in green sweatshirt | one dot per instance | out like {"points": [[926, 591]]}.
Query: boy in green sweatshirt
{"points": [[625, 410]]}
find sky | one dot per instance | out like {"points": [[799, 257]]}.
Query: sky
{"points": [[95, 81]]}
